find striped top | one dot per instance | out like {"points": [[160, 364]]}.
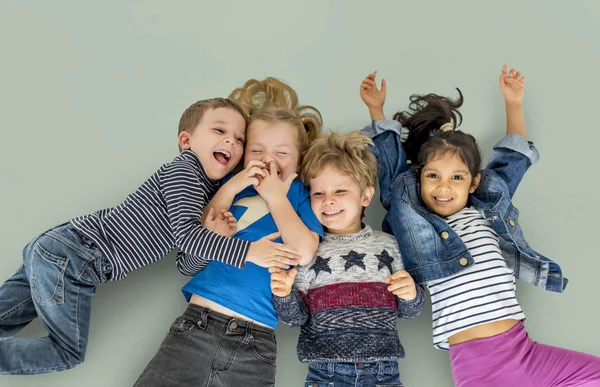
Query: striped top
{"points": [[164, 213], [482, 293]]}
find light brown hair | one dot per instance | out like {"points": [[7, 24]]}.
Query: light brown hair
{"points": [[348, 152], [192, 116]]}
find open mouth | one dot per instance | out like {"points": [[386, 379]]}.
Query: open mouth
{"points": [[442, 200], [330, 214], [222, 156]]}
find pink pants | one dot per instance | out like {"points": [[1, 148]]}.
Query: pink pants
{"points": [[513, 359]]}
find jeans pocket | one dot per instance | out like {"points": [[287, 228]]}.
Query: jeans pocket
{"points": [[47, 276], [182, 326], [264, 349]]}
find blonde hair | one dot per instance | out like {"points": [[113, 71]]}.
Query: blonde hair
{"points": [[272, 101], [348, 152], [192, 116]]}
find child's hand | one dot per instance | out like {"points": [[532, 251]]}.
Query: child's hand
{"points": [[267, 253], [282, 281], [223, 224], [271, 187], [249, 176], [372, 96], [402, 285], [512, 85]]}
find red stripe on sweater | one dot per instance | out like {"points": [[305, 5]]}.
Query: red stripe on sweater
{"points": [[366, 294]]}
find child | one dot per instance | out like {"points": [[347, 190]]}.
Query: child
{"points": [[226, 335], [62, 267], [460, 237], [348, 299]]}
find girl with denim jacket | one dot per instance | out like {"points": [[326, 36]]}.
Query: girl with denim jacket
{"points": [[460, 237]]}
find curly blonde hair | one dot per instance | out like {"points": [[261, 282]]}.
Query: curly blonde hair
{"points": [[348, 152], [273, 101]]}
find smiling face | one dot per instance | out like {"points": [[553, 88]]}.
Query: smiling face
{"points": [[446, 184], [337, 200], [273, 142], [217, 140]]}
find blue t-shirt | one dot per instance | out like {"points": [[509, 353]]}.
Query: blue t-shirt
{"points": [[247, 291]]}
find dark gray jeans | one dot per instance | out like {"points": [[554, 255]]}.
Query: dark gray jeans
{"points": [[207, 349]]}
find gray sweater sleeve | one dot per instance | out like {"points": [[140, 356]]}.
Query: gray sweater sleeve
{"points": [[291, 310], [412, 308]]}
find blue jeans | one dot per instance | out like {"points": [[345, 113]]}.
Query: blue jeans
{"points": [[206, 348], [383, 373], [56, 283]]}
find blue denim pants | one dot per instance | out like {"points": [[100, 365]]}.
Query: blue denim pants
{"points": [[376, 374], [209, 349], [56, 283]]}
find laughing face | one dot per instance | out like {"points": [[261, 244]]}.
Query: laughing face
{"points": [[217, 140], [446, 184], [337, 201], [273, 142]]}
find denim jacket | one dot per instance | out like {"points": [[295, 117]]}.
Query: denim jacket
{"points": [[430, 248]]}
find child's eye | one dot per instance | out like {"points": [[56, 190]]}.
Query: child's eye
{"points": [[317, 194], [431, 175], [340, 191], [256, 151], [218, 130], [240, 140], [457, 177], [282, 153]]}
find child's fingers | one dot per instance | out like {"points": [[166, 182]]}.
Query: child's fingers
{"points": [[400, 274], [383, 85], [400, 284], [255, 163]]}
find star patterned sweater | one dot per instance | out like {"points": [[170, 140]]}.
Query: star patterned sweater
{"points": [[342, 304]]}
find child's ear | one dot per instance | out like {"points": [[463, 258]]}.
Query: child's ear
{"points": [[475, 183], [367, 196], [184, 140]]}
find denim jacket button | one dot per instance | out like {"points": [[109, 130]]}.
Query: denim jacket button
{"points": [[511, 222], [463, 261], [233, 325], [444, 235]]}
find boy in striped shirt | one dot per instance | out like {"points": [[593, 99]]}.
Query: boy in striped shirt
{"points": [[62, 267]]}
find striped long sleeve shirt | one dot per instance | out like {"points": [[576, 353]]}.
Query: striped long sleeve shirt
{"points": [[162, 214]]}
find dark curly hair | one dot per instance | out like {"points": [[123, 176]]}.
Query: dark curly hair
{"points": [[425, 140]]}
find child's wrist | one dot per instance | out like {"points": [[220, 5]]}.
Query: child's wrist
{"points": [[376, 113]]}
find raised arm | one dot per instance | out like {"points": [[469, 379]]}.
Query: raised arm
{"points": [[513, 155], [386, 135], [512, 85]]}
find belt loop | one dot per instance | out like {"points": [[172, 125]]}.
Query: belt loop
{"points": [[203, 318], [248, 335], [330, 369], [381, 371]]}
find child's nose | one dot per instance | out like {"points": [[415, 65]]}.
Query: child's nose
{"points": [[267, 158], [328, 200]]}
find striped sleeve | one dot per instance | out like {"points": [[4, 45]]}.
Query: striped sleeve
{"points": [[184, 198]]}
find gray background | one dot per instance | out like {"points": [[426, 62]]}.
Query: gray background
{"points": [[91, 94]]}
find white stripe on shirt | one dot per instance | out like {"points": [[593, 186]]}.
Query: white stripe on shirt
{"points": [[482, 293], [164, 213]]}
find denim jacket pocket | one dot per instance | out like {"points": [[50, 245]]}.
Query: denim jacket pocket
{"points": [[47, 276]]}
